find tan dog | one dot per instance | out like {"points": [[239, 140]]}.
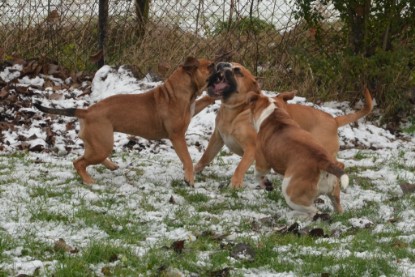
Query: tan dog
{"points": [[163, 112], [231, 82], [288, 149], [324, 128], [321, 125]]}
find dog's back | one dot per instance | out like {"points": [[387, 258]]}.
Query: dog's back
{"points": [[286, 146]]}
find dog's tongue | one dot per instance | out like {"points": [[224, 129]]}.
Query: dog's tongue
{"points": [[220, 86]]}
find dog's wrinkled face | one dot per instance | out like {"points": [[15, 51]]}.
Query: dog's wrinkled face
{"points": [[223, 82], [199, 70]]}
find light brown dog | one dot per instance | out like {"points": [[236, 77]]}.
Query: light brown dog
{"points": [[324, 128], [230, 82], [233, 127], [163, 112], [321, 125], [288, 149]]}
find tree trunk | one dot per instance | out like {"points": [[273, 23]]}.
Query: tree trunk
{"points": [[358, 18]]}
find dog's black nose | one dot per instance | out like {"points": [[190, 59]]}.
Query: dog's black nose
{"points": [[222, 65]]}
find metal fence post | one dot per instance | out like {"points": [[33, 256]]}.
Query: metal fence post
{"points": [[102, 26]]}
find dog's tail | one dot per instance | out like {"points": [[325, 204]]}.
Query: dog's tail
{"points": [[336, 168], [67, 112], [349, 118]]}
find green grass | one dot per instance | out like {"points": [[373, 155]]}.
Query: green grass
{"points": [[410, 128], [132, 226]]}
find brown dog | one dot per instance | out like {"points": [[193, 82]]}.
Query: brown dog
{"points": [[231, 82], [163, 112], [288, 149], [321, 125]]}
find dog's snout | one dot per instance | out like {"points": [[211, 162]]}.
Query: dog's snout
{"points": [[223, 65]]}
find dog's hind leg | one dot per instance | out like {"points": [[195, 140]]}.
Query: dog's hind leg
{"points": [[297, 200], [98, 143], [110, 164], [335, 197], [80, 165], [330, 186], [262, 168]]}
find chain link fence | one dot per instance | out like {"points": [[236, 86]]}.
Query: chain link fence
{"points": [[261, 34]]}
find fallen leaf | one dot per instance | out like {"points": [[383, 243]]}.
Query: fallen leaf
{"points": [[70, 126], [322, 217], [22, 89], [178, 246], [86, 91], [317, 232], [61, 245], [37, 148], [4, 92], [243, 251], [113, 258], [268, 185], [407, 188], [294, 228], [55, 96], [24, 146], [171, 200], [319, 201], [53, 69], [50, 136], [399, 244], [21, 138], [225, 272], [106, 270], [95, 58]]}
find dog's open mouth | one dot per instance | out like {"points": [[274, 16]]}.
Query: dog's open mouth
{"points": [[217, 85]]}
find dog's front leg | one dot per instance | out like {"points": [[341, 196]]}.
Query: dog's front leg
{"points": [[246, 161], [180, 146], [214, 146], [203, 103]]}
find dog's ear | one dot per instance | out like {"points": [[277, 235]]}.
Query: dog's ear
{"points": [[237, 71], [211, 68], [252, 97], [287, 95], [190, 64]]}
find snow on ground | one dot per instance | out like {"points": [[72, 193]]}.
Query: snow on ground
{"points": [[376, 148]]}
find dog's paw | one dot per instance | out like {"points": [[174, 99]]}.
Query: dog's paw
{"points": [[188, 183], [236, 185], [268, 185], [265, 184], [198, 168], [322, 217]]}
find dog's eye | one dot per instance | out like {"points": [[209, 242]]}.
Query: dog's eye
{"points": [[238, 71]]}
